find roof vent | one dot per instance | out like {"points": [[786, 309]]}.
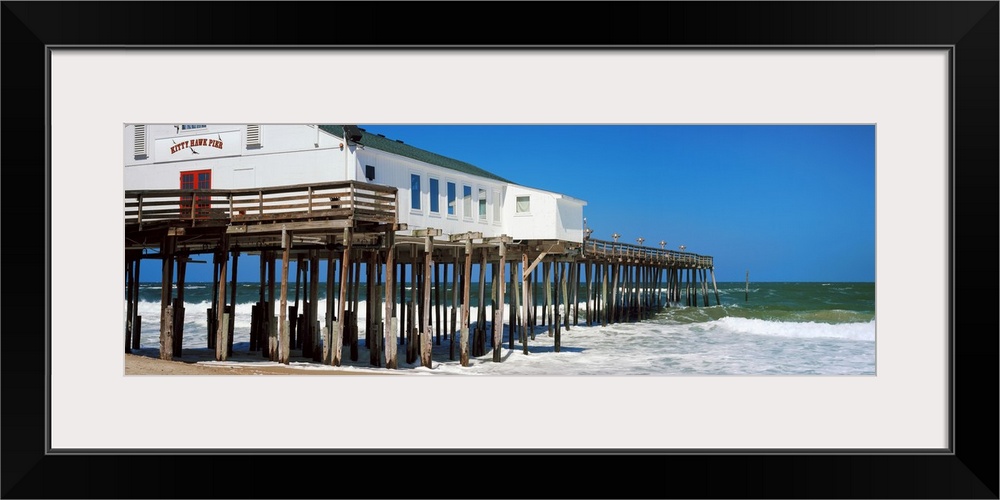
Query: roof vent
{"points": [[253, 136], [140, 142], [352, 133]]}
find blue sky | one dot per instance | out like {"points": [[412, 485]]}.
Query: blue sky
{"points": [[784, 202]]}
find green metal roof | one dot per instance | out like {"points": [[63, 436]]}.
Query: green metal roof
{"points": [[383, 143]]}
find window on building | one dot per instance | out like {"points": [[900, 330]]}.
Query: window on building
{"points": [[415, 191], [523, 205], [451, 199], [193, 206], [482, 205], [435, 197], [497, 208], [467, 202]]}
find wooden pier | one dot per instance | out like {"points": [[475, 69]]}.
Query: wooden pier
{"points": [[350, 224]]}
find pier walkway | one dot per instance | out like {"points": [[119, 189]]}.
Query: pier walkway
{"points": [[354, 227]]}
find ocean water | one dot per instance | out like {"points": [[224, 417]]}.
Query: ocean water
{"points": [[770, 329]]}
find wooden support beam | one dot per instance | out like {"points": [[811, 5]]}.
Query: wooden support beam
{"points": [[331, 271], [403, 322], [605, 307], [564, 282], [498, 313], [466, 276], [437, 303], [413, 334], [178, 321], [256, 337], [548, 315], [389, 339], [338, 331], [480, 341], [129, 304], [574, 277], [535, 285], [425, 335], [373, 333], [166, 335], [525, 319], [616, 270], [136, 321], [312, 334], [556, 320], [230, 326], [468, 236], [704, 285], [589, 309], [272, 321], [454, 307], [166, 292], [640, 273], [429, 232], [352, 320], [493, 289], [514, 309], [291, 226], [293, 312], [284, 350], [222, 321], [503, 238], [715, 287], [539, 259]]}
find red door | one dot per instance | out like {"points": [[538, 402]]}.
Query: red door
{"points": [[193, 180]]}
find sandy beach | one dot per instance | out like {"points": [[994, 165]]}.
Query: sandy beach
{"points": [[145, 365]]}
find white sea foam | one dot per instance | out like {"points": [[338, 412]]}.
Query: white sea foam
{"points": [[753, 326], [727, 346]]}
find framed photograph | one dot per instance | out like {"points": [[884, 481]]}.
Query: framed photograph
{"points": [[921, 76]]}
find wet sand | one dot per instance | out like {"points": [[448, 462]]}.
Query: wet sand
{"points": [[145, 365]]}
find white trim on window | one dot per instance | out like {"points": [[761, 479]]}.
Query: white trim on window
{"points": [[522, 206], [451, 199], [467, 202], [497, 207], [483, 202], [416, 201], [434, 184]]}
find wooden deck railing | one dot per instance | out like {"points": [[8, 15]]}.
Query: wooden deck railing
{"points": [[610, 249], [335, 200]]}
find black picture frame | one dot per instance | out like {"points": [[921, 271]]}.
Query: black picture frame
{"points": [[970, 28]]}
